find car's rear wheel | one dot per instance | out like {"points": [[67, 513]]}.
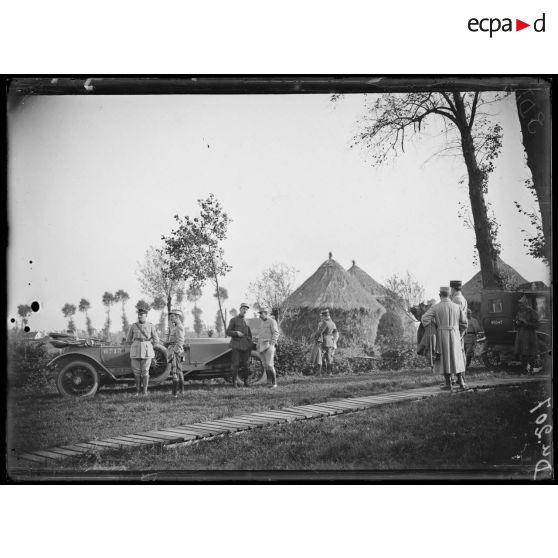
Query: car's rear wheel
{"points": [[491, 359], [78, 379], [160, 369], [256, 369]]}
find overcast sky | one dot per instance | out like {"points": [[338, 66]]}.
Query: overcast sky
{"points": [[94, 181]]}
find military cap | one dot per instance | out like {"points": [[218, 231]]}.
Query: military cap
{"points": [[445, 290], [176, 312], [244, 305], [523, 300], [324, 312], [142, 310], [263, 309], [456, 284]]}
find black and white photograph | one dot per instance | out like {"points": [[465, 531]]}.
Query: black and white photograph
{"points": [[273, 278]]}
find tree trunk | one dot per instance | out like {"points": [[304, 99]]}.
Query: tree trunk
{"points": [[533, 109], [488, 255], [216, 279]]}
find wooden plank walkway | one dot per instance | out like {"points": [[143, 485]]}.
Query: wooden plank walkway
{"points": [[189, 433]]}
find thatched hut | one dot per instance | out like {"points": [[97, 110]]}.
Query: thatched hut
{"points": [[472, 289], [355, 312], [397, 321]]}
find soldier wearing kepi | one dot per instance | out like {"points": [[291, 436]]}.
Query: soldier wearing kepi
{"points": [[327, 332], [241, 345], [451, 324], [142, 335], [267, 339], [175, 350]]}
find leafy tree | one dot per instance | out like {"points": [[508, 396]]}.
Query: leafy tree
{"points": [[405, 288], [69, 311], [198, 324], [393, 118], [194, 252], [536, 243], [123, 297], [223, 295], [159, 279], [84, 306], [108, 300], [24, 311], [272, 288], [533, 109]]}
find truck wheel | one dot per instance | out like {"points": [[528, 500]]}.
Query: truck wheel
{"points": [[78, 379], [491, 359], [160, 369], [256, 368]]}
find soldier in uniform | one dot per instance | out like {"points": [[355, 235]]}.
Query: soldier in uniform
{"points": [[142, 335], [241, 345], [470, 338], [267, 339], [175, 350], [526, 341], [451, 324], [328, 334]]}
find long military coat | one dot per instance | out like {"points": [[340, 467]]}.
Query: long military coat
{"points": [[451, 323], [526, 341]]}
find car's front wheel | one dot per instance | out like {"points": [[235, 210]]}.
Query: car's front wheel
{"points": [[256, 368], [78, 379]]}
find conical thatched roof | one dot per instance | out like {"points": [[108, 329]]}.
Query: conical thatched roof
{"points": [[472, 289], [355, 312], [387, 299], [330, 286], [369, 284]]}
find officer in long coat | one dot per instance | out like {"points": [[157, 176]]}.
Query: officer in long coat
{"points": [[241, 345], [470, 338], [142, 335], [451, 324], [458, 298], [526, 341], [175, 350]]}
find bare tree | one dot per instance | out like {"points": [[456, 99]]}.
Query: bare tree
{"points": [[272, 288], [467, 126], [406, 288], [158, 279]]}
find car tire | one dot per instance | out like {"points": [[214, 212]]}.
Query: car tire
{"points": [[491, 359], [159, 370], [78, 379], [256, 367]]}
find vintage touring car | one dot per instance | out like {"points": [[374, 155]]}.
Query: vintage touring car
{"points": [[83, 366]]}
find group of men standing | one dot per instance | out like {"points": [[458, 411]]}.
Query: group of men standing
{"points": [[242, 343], [451, 320]]}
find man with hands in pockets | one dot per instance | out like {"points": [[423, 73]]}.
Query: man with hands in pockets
{"points": [[268, 335]]}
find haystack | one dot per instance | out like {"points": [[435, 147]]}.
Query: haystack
{"points": [[472, 289], [355, 312], [396, 314]]}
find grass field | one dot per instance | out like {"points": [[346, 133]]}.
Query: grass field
{"points": [[38, 421], [476, 431]]}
